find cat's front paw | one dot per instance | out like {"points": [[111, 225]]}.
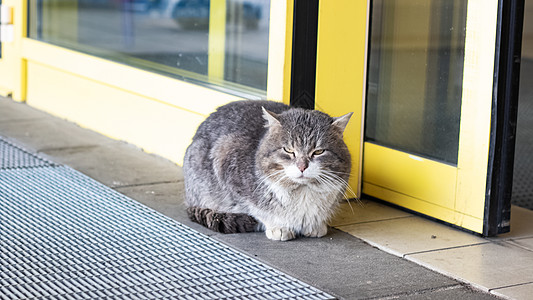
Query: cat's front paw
{"points": [[280, 234], [318, 231]]}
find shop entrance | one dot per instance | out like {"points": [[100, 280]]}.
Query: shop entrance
{"points": [[433, 85], [439, 102]]}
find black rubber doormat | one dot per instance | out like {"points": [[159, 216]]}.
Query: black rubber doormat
{"points": [[66, 236]]}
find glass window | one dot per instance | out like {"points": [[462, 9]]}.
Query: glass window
{"points": [[415, 76], [217, 42]]}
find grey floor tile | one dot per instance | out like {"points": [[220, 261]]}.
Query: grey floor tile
{"points": [[402, 236], [450, 293], [488, 266], [11, 111], [363, 211], [521, 291], [118, 164], [50, 133]]}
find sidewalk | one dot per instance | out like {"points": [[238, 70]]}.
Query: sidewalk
{"points": [[339, 263]]}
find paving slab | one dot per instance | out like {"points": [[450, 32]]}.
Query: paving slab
{"points": [[449, 293], [47, 133], [117, 164], [11, 111], [522, 291]]}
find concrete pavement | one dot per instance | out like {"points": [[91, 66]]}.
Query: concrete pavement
{"points": [[338, 263]]}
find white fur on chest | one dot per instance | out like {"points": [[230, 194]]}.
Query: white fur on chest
{"points": [[301, 210]]}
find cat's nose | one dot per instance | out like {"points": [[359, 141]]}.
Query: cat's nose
{"points": [[302, 165]]}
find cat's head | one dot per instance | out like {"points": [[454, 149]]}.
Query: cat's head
{"points": [[304, 147]]}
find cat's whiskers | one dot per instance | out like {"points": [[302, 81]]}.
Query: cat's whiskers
{"points": [[327, 180], [341, 173], [332, 184], [266, 178], [272, 184], [344, 187], [337, 181], [355, 196], [277, 182]]}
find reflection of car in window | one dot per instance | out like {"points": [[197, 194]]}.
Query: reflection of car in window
{"points": [[191, 14], [144, 5], [194, 14]]}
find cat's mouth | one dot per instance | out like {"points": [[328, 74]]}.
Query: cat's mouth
{"points": [[301, 179]]}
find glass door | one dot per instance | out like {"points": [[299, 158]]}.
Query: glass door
{"points": [[434, 70]]}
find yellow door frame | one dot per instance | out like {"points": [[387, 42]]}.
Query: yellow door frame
{"points": [[341, 72], [453, 194]]}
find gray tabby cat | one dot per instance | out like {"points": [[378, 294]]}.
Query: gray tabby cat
{"points": [[260, 165]]}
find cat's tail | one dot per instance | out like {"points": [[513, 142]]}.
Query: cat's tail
{"points": [[221, 221]]}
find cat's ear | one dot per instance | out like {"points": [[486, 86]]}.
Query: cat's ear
{"points": [[342, 121], [271, 118]]}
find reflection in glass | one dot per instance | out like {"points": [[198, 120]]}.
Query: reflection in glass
{"points": [[166, 36], [244, 45], [415, 76]]}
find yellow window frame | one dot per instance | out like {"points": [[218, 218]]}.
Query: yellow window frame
{"points": [[454, 194]]}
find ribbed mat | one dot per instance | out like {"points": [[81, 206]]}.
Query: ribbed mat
{"points": [[13, 156], [66, 236]]}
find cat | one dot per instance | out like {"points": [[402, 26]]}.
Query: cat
{"points": [[264, 166]]}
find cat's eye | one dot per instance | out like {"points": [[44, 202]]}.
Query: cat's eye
{"points": [[287, 150], [318, 152]]}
